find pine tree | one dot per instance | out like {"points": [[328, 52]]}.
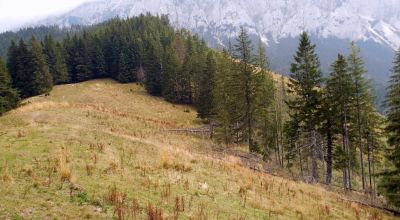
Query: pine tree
{"points": [[126, 68], [205, 102], [262, 59], [328, 129], [243, 53], [229, 99], [306, 79], [171, 75], [263, 106], [340, 89], [153, 67], [83, 70], [55, 60], [42, 81], [19, 64], [12, 61], [391, 181], [363, 98], [98, 63], [9, 97]]}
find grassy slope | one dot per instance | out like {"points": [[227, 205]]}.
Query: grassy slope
{"points": [[117, 134]]}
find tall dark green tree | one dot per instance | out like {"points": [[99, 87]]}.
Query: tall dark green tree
{"points": [[55, 59], [391, 181], [243, 52], [305, 84], [42, 81], [153, 66], [229, 99], [328, 129], [341, 89], [9, 97], [363, 100], [126, 67], [97, 60], [205, 102], [19, 65], [262, 59], [12, 60]]}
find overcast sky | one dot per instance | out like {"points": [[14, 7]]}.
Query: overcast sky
{"points": [[17, 12]]}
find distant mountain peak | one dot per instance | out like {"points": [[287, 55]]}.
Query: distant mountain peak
{"points": [[270, 20]]}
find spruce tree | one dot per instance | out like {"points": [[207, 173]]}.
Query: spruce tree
{"points": [[171, 75], [42, 81], [19, 63], [328, 129], [262, 59], [126, 68], [12, 61], [83, 70], [229, 99], [9, 97], [390, 184], [205, 102], [97, 63], [55, 60], [340, 91], [363, 98], [152, 62], [243, 53], [305, 83]]}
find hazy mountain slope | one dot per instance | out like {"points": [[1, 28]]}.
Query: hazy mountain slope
{"points": [[94, 150], [344, 19], [374, 25]]}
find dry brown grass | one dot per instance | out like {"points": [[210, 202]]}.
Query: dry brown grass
{"points": [[117, 136], [64, 165]]}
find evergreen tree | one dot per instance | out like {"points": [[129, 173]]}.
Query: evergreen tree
{"points": [[262, 59], [363, 98], [391, 181], [98, 63], [171, 73], [228, 99], [83, 70], [19, 64], [55, 60], [264, 124], [340, 89], [153, 69], [205, 102], [304, 84], [42, 81], [328, 129], [12, 61], [9, 97], [243, 53], [126, 68]]}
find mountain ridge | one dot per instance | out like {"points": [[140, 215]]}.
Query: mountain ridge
{"points": [[374, 26], [271, 21]]}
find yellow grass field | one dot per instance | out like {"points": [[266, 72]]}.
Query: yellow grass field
{"points": [[102, 150]]}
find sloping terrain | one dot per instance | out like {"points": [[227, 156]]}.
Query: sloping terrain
{"points": [[102, 150]]}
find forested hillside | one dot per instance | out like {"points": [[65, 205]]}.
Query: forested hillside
{"points": [[320, 130]]}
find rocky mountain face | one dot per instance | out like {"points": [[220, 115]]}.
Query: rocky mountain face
{"points": [[374, 25], [271, 20]]}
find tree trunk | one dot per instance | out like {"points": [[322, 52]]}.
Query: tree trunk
{"points": [[373, 174], [314, 157], [277, 141], [360, 140], [301, 161], [329, 154], [369, 165], [347, 148]]}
